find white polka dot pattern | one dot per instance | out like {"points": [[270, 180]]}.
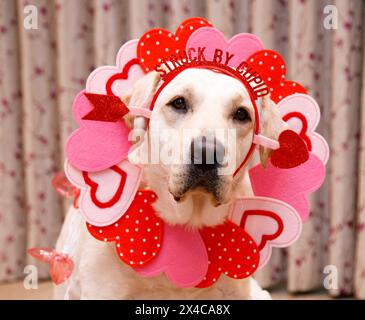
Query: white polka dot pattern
{"points": [[272, 69], [137, 234], [236, 259], [158, 44]]}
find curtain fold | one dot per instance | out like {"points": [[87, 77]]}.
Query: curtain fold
{"points": [[42, 70], [40, 128], [12, 201]]}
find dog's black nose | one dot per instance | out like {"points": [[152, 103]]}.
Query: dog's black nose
{"points": [[206, 154]]}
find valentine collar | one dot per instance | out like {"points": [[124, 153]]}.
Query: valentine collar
{"points": [[107, 184]]}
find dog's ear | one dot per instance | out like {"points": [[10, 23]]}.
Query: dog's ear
{"points": [[271, 125], [141, 95]]}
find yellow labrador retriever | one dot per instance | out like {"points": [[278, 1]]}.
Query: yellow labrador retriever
{"points": [[197, 194]]}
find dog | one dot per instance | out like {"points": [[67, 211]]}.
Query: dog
{"points": [[190, 194]]}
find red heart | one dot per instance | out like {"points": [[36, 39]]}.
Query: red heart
{"points": [[158, 44], [231, 251], [292, 152], [94, 188], [137, 234], [272, 69]]}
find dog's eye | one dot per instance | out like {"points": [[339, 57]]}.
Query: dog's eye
{"points": [[242, 115], [178, 104]]}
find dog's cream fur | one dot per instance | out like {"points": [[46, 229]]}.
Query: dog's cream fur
{"points": [[213, 97]]}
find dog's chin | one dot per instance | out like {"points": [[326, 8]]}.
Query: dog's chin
{"points": [[215, 197], [197, 192]]}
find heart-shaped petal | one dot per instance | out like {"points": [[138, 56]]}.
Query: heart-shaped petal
{"points": [[231, 251], [302, 113], [117, 79], [96, 145], [158, 44], [292, 151], [137, 234], [291, 186], [183, 257], [272, 223], [272, 69], [105, 195], [232, 52]]}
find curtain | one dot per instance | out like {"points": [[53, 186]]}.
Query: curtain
{"points": [[41, 71]]}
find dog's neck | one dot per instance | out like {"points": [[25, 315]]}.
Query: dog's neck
{"points": [[195, 210]]}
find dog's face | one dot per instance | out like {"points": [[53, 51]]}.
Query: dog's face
{"points": [[200, 131], [206, 120]]}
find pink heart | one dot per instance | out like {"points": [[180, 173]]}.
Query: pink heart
{"points": [[183, 257], [270, 222], [289, 185], [98, 79], [241, 45], [108, 183], [96, 145], [297, 106]]}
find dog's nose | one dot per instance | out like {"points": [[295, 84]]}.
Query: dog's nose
{"points": [[206, 154]]}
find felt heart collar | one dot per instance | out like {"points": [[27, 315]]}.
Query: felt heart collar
{"points": [[199, 257]]}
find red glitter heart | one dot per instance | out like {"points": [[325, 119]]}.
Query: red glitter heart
{"points": [[292, 152]]}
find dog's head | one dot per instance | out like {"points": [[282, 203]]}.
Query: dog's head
{"points": [[200, 131]]}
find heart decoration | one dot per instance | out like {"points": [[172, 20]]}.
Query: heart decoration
{"points": [[120, 76], [119, 79], [86, 147], [292, 151], [137, 234], [272, 69], [231, 251], [105, 195], [158, 44], [94, 188], [302, 113], [179, 245], [291, 186], [233, 51], [270, 222], [272, 228]]}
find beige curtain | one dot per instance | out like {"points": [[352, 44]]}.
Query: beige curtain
{"points": [[42, 70]]}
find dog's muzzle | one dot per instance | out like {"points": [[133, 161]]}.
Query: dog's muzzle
{"points": [[207, 156]]}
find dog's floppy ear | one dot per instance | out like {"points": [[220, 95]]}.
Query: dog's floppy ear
{"points": [[141, 96], [271, 125]]}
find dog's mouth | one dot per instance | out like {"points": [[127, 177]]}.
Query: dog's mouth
{"points": [[207, 183]]}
